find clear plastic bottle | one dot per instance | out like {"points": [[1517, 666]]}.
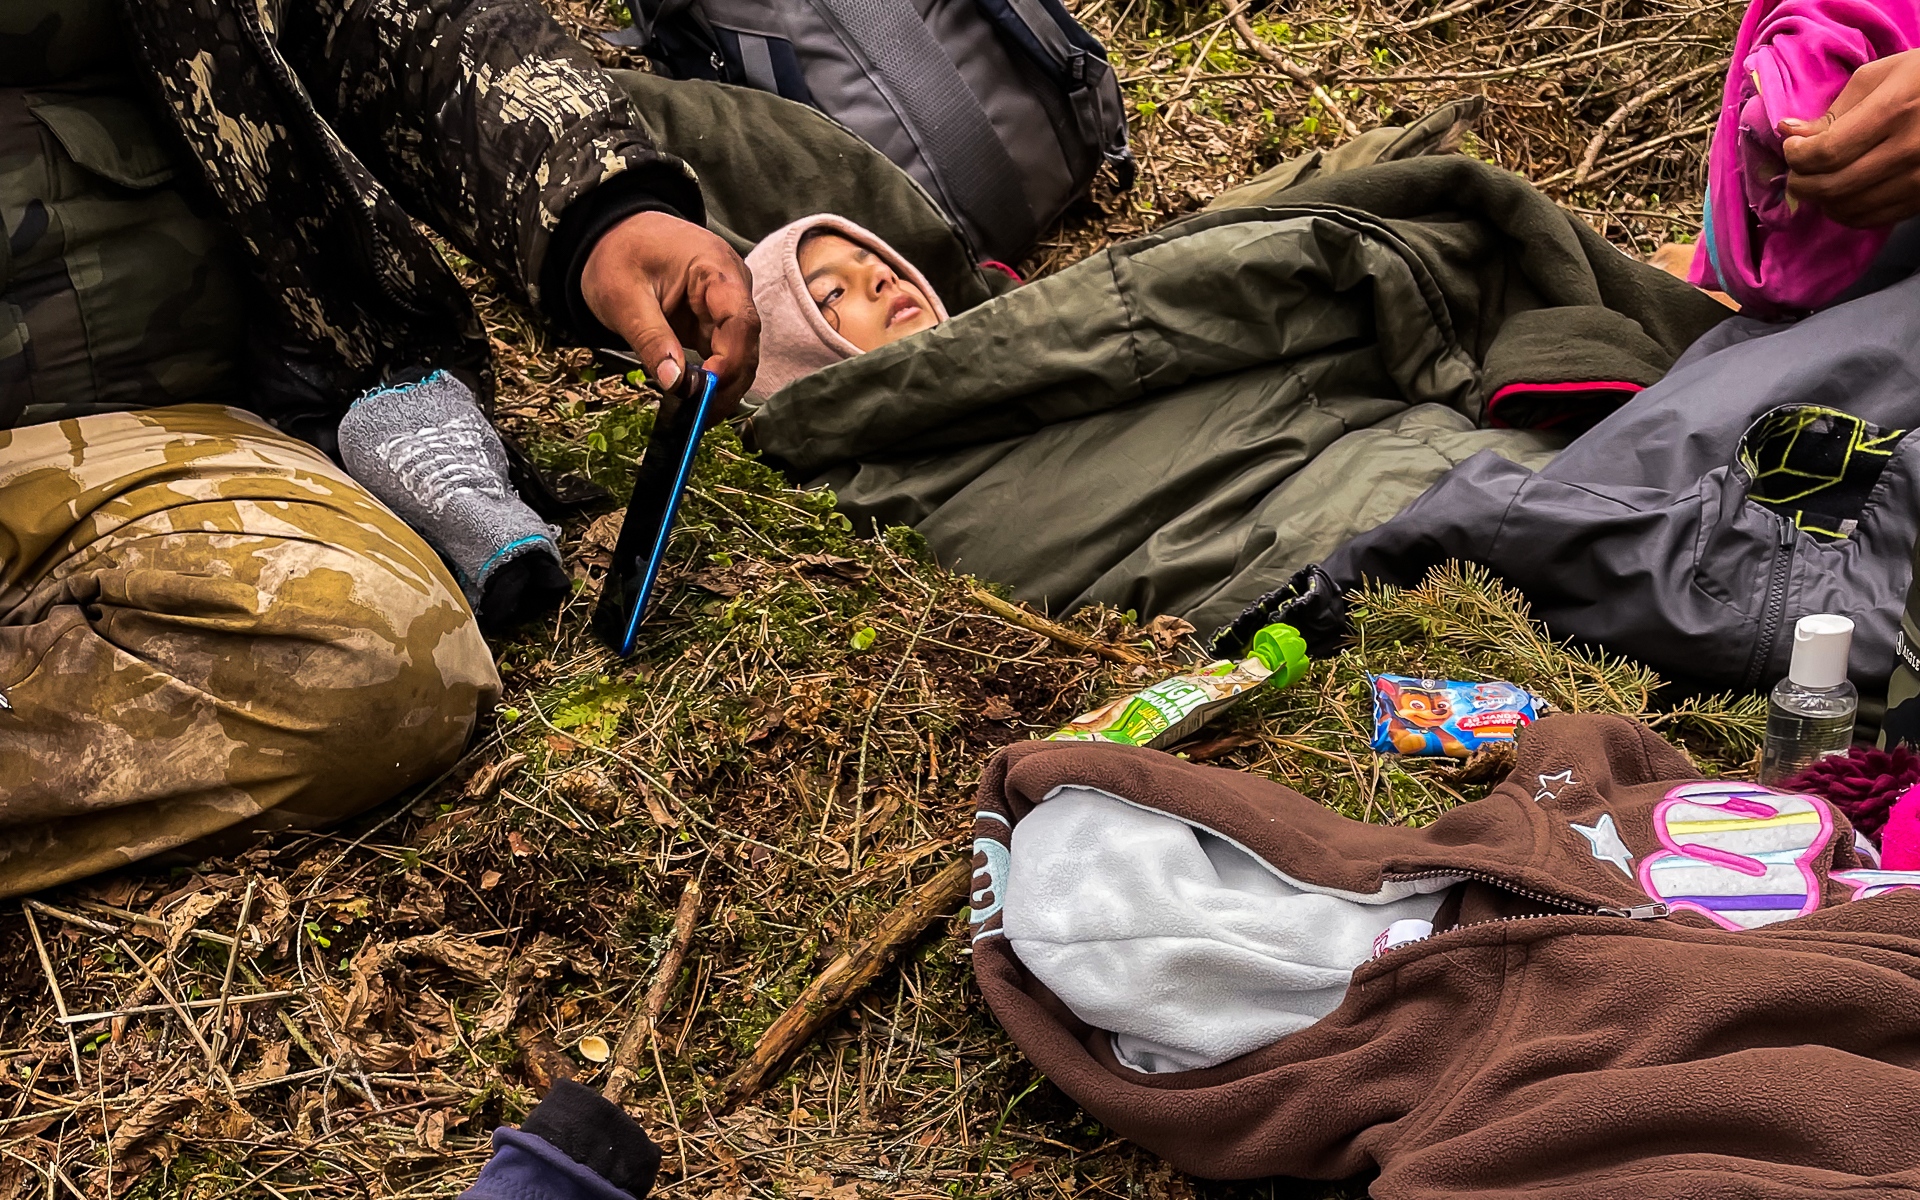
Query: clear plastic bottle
{"points": [[1810, 714]]}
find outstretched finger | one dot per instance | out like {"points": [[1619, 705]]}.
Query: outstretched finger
{"points": [[644, 326]]}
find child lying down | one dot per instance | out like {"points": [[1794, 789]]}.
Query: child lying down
{"points": [[1610, 977], [828, 290]]}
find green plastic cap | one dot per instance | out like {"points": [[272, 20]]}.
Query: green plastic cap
{"points": [[1282, 650]]}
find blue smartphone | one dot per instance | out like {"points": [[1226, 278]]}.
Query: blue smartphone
{"points": [[658, 486]]}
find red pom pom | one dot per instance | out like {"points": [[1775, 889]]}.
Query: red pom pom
{"points": [[1863, 783]]}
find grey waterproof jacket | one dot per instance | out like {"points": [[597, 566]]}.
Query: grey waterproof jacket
{"points": [[1768, 476]]}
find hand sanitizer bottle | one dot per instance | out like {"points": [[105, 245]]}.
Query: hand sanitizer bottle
{"points": [[1810, 714]]}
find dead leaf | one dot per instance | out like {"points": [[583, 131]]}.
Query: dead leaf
{"points": [[272, 1064], [423, 902], [1166, 631], [431, 1132], [153, 1116], [832, 564], [489, 880], [656, 810], [487, 780], [182, 917], [728, 581], [997, 709], [604, 534], [545, 1062], [517, 845]]}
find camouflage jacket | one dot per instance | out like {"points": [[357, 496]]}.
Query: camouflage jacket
{"points": [[323, 128]]}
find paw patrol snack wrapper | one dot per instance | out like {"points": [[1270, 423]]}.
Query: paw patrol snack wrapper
{"points": [[1161, 715], [1434, 717]]}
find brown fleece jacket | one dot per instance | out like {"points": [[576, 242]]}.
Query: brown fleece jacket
{"points": [[1600, 1014]]}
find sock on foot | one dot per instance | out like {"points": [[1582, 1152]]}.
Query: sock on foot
{"points": [[429, 453]]}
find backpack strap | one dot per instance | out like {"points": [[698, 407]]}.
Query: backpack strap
{"points": [[1077, 64], [970, 165]]}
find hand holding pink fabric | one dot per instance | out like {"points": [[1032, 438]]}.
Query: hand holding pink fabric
{"points": [[1776, 255]]}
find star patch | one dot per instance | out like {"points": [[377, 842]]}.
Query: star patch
{"points": [[1604, 838], [1552, 785]]}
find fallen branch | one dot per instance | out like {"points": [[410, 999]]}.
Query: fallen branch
{"points": [[645, 1023], [1532, 66], [846, 977], [53, 984], [1619, 116], [1628, 158], [1015, 615], [89, 1018], [1292, 70]]}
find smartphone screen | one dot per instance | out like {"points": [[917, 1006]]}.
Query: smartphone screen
{"points": [[657, 487]]}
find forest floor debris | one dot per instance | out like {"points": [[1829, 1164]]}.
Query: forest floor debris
{"points": [[349, 1014]]}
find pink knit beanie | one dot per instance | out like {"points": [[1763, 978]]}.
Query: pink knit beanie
{"points": [[795, 340]]}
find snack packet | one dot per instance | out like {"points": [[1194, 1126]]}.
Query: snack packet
{"points": [[1429, 717], [1161, 715]]}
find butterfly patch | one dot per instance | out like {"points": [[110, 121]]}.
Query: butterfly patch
{"points": [[1737, 853]]}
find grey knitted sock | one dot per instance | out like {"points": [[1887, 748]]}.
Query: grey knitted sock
{"points": [[429, 453]]}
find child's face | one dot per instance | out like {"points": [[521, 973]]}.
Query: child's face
{"points": [[859, 294]]}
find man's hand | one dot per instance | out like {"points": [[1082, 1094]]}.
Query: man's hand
{"points": [[661, 282], [1860, 163]]}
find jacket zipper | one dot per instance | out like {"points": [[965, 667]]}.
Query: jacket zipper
{"points": [[1777, 571], [1651, 911], [1638, 912]]}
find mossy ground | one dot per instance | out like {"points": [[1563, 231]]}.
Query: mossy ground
{"points": [[800, 731]]}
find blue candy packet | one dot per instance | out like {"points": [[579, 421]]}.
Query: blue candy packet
{"points": [[1433, 717]]}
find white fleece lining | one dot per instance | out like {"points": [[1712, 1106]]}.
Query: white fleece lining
{"points": [[1390, 890], [1187, 947]]}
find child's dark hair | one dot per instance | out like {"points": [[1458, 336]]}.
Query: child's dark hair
{"points": [[831, 317]]}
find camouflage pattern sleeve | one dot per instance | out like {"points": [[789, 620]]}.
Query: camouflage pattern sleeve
{"points": [[482, 117]]}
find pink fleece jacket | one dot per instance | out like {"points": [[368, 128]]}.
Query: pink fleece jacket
{"points": [[795, 340], [1777, 257]]}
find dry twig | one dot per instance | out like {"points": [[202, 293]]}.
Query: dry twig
{"points": [[1013, 614], [53, 985], [845, 977], [646, 1023], [1292, 70], [1619, 116]]}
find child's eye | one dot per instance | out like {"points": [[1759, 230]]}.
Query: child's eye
{"points": [[831, 298]]}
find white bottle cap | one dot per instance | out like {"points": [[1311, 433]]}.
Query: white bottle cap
{"points": [[1820, 644]]}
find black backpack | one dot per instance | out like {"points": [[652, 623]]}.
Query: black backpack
{"points": [[1003, 110]]}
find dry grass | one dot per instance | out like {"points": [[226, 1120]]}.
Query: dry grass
{"points": [[349, 1014]]}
